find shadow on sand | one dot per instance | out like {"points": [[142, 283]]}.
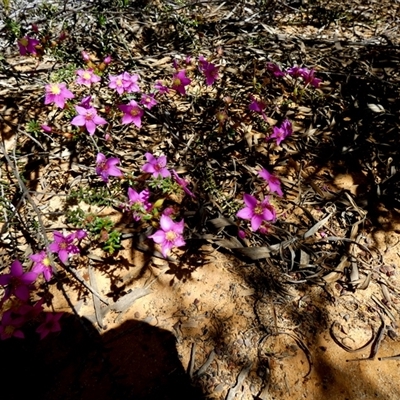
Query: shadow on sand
{"points": [[134, 361]]}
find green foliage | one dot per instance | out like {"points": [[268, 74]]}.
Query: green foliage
{"points": [[13, 28], [91, 195], [100, 228], [65, 74], [33, 127], [166, 185]]}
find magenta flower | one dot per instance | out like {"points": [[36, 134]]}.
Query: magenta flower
{"points": [[257, 106], [106, 167], [275, 69], [17, 281], [87, 77], [139, 203], [179, 81], [51, 324], [42, 265], [295, 71], [281, 133], [132, 113], [63, 246], [273, 182], [210, 70], [85, 102], [57, 93], [256, 211], [148, 100], [309, 78], [182, 183], [107, 60], [28, 312], [156, 166], [161, 88], [88, 117], [27, 45], [9, 326], [80, 234], [46, 128], [170, 235]]}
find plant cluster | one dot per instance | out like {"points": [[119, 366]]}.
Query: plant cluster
{"points": [[90, 112]]}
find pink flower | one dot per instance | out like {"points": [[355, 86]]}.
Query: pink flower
{"points": [[10, 325], [27, 45], [139, 203], [179, 81], [17, 281], [148, 100], [57, 93], [161, 88], [182, 183], [132, 113], [106, 167], [257, 106], [156, 166], [130, 82], [51, 324], [117, 83], [210, 70], [87, 77], [88, 117], [273, 182], [107, 60], [256, 211], [281, 133], [46, 128], [42, 265], [63, 246], [170, 235], [275, 69], [85, 55]]}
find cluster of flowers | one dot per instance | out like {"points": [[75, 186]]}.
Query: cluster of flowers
{"points": [[16, 309], [124, 83], [170, 234], [260, 213], [285, 129], [308, 75]]}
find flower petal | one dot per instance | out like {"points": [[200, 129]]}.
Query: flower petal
{"points": [[166, 223]]}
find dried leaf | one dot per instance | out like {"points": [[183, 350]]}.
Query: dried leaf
{"points": [[376, 108]]}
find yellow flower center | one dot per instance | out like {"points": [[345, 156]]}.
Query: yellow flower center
{"points": [[46, 261], [9, 330], [258, 210], [177, 82], [55, 89], [118, 82], [170, 236], [134, 112], [24, 42], [86, 75]]}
